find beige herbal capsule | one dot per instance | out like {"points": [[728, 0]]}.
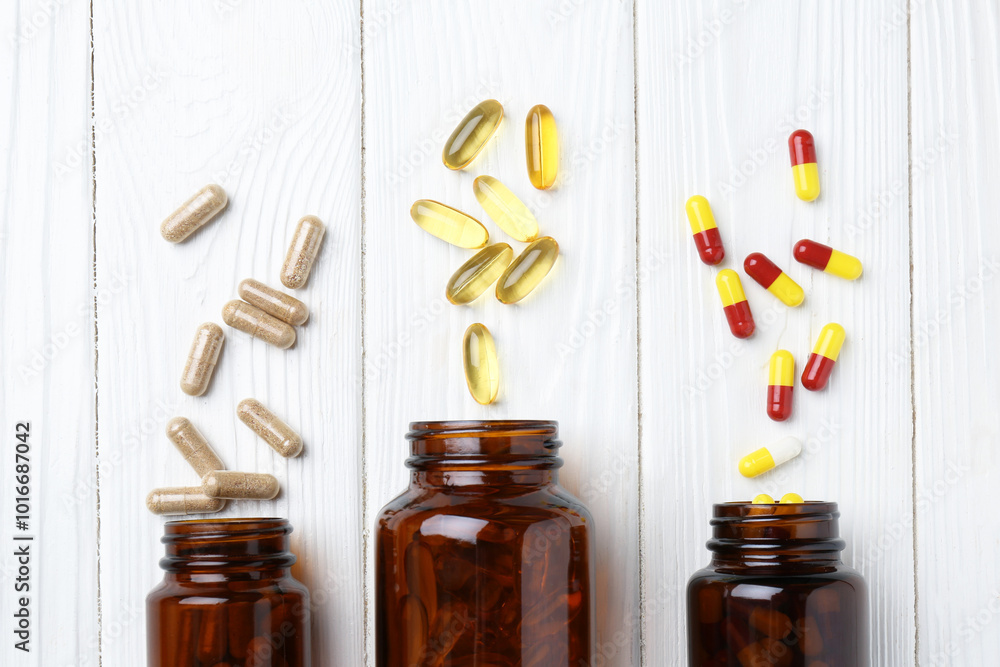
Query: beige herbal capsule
{"points": [[194, 213], [264, 423], [182, 500], [273, 302], [193, 446], [254, 321], [302, 252], [202, 358], [242, 485]]}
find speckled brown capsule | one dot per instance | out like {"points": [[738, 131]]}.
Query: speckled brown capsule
{"points": [[194, 213], [202, 359], [182, 500], [193, 446], [302, 252], [264, 423], [273, 302], [254, 321], [244, 485]]}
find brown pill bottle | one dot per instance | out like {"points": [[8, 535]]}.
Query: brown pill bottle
{"points": [[484, 559], [776, 591], [227, 598]]}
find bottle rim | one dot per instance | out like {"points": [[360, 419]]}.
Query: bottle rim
{"points": [[484, 445]]}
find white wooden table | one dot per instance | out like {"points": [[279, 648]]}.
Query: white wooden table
{"points": [[116, 111]]}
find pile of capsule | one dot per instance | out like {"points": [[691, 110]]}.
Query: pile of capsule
{"points": [[263, 312], [515, 278], [781, 376]]}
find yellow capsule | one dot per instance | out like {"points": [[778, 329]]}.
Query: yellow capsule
{"points": [[525, 272], [302, 252], [182, 500], [541, 146], [479, 357], [790, 499], [194, 214], [471, 134], [506, 209], [254, 321], [767, 458], [202, 359], [449, 224], [762, 499], [273, 302], [475, 276]]}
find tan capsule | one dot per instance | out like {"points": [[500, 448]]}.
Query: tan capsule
{"points": [[479, 358], [471, 134], [202, 358], [302, 252], [243, 485], [254, 321], [506, 209], [476, 275], [273, 302], [449, 224], [525, 272], [193, 446], [264, 423], [182, 500], [194, 213]]}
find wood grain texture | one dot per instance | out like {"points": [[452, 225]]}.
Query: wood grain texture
{"points": [[720, 88], [956, 270], [568, 352]]}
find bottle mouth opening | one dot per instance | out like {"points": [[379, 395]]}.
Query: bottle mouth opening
{"points": [[488, 439], [744, 523], [234, 529]]}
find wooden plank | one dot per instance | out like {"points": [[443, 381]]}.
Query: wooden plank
{"points": [[263, 99], [720, 88], [568, 352], [956, 268]]}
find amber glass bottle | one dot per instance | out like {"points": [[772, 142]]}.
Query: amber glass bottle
{"points": [[227, 598], [776, 591], [485, 560]]}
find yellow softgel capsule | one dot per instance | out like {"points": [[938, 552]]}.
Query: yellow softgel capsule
{"points": [[506, 209], [475, 276], [762, 499], [525, 272], [449, 224], [541, 147], [767, 458], [479, 358], [471, 134], [791, 499]]}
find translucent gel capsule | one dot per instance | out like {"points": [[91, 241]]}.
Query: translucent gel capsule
{"points": [[791, 498], [182, 500], [240, 485], [734, 303], [194, 214], [805, 172], [773, 279], [706, 234], [541, 147], [264, 423], [302, 252], [254, 321], [827, 259], [471, 134], [503, 206], [780, 383], [193, 446], [824, 355], [762, 499], [449, 224], [479, 273], [479, 357], [274, 302], [525, 272], [202, 358], [767, 458]]}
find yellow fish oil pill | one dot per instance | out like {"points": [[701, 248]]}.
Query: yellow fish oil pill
{"points": [[202, 358], [790, 499], [182, 500], [194, 213], [302, 252], [449, 224], [509, 212], [273, 302], [475, 276], [541, 147], [193, 446], [762, 499], [479, 358], [525, 272], [254, 321], [770, 457], [471, 134], [264, 423], [240, 485]]}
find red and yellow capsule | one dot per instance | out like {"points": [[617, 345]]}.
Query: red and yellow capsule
{"points": [[826, 259], [706, 233], [802, 150], [824, 355], [734, 303], [767, 274], [780, 381]]}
